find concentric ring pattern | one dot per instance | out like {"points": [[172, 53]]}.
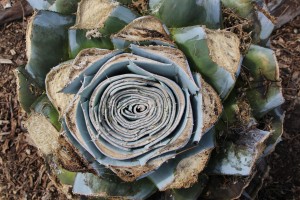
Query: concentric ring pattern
{"points": [[134, 108]]}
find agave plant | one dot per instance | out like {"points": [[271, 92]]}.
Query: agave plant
{"points": [[128, 98]]}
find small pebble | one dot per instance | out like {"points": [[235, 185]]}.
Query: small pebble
{"points": [[27, 151], [12, 52], [20, 62]]}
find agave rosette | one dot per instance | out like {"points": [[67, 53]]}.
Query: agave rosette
{"points": [[123, 105]]}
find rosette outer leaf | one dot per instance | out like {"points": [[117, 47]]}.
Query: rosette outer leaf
{"points": [[60, 6], [88, 184], [263, 77], [215, 54], [256, 12], [176, 13], [46, 43], [46, 46], [94, 28], [28, 90]]}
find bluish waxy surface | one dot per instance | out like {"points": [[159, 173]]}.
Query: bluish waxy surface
{"points": [[187, 13], [48, 39], [264, 93], [140, 107], [148, 95]]}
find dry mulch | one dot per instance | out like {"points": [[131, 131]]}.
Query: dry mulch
{"points": [[284, 178], [22, 172]]}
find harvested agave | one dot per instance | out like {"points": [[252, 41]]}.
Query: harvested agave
{"points": [[128, 98]]}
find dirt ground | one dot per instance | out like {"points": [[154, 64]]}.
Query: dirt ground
{"points": [[284, 178], [22, 172]]}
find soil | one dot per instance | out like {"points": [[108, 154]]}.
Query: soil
{"points": [[283, 181], [22, 172]]}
